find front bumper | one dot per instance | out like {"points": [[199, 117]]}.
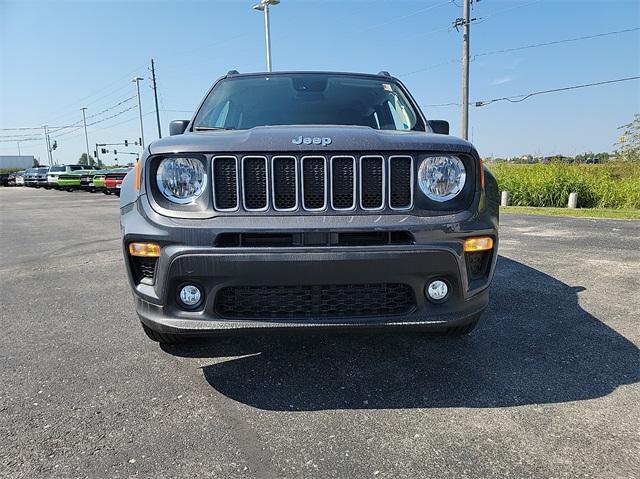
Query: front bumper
{"points": [[189, 255]]}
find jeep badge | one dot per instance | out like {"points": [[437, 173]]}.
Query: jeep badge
{"points": [[316, 140]]}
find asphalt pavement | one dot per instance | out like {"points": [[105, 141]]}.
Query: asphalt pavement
{"points": [[547, 385]]}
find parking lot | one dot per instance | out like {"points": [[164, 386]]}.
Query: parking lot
{"points": [[547, 386]]}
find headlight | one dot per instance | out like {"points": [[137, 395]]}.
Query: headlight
{"points": [[441, 178], [181, 180]]}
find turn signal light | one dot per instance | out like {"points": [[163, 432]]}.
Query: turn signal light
{"points": [[482, 243], [138, 167], [147, 250]]}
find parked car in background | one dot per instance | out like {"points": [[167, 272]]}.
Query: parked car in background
{"points": [[57, 170], [30, 177], [20, 178], [41, 177], [87, 180], [113, 180], [11, 179], [98, 180], [70, 181], [4, 179]]}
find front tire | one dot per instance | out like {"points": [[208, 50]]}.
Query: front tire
{"points": [[162, 338]]}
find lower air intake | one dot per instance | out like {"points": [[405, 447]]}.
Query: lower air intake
{"points": [[315, 301]]}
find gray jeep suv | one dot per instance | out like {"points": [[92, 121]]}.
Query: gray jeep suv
{"points": [[308, 200]]}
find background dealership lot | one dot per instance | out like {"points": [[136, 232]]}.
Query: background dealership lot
{"points": [[547, 386]]}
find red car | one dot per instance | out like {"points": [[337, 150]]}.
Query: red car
{"points": [[113, 180]]}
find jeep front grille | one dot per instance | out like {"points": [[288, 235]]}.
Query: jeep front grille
{"points": [[312, 182]]}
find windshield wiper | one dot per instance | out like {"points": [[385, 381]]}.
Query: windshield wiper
{"points": [[207, 128]]}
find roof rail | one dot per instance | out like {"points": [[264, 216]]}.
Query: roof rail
{"points": [[233, 72], [384, 73]]}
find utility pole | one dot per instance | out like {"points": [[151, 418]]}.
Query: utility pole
{"points": [[263, 6], [155, 95], [86, 137], [47, 144], [466, 31], [465, 23], [137, 81], [19, 154]]}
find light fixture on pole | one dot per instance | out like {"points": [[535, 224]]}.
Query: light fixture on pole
{"points": [[263, 6], [86, 137], [137, 80]]}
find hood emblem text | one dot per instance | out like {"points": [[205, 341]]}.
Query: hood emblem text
{"points": [[316, 140]]}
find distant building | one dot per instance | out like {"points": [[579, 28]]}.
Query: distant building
{"points": [[23, 162]]}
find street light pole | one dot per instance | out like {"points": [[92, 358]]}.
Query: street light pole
{"points": [[263, 6], [86, 137], [137, 80]]}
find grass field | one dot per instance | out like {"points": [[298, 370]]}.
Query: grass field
{"points": [[609, 186]]}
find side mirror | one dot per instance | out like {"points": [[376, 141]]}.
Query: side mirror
{"points": [[439, 126], [177, 127]]}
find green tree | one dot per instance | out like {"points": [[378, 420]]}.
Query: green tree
{"points": [[83, 160], [628, 147]]}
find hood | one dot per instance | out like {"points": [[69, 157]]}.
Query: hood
{"points": [[281, 139]]}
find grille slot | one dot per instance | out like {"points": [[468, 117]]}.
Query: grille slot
{"points": [[400, 182], [314, 183], [300, 239], [143, 268], [254, 183], [225, 183], [284, 178], [343, 182], [477, 262], [371, 182], [315, 301]]}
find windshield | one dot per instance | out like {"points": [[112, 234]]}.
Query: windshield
{"points": [[56, 169], [307, 99]]}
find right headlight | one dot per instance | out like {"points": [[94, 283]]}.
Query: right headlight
{"points": [[441, 178], [181, 180]]}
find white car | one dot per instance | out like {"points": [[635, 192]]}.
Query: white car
{"points": [[57, 170]]}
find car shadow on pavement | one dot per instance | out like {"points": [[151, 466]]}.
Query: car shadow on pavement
{"points": [[534, 344]]}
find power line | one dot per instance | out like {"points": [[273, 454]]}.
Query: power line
{"points": [[82, 100], [521, 98], [21, 140], [94, 115], [524, 47], [556, 42]]}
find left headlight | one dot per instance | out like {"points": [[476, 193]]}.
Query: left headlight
{"points": [[181, 180], [441, 178]]}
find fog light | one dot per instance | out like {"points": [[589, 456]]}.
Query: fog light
{"points": [[190, 295], [437, 290]]}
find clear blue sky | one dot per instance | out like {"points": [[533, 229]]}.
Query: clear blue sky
{"points": [[58, 56]]}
